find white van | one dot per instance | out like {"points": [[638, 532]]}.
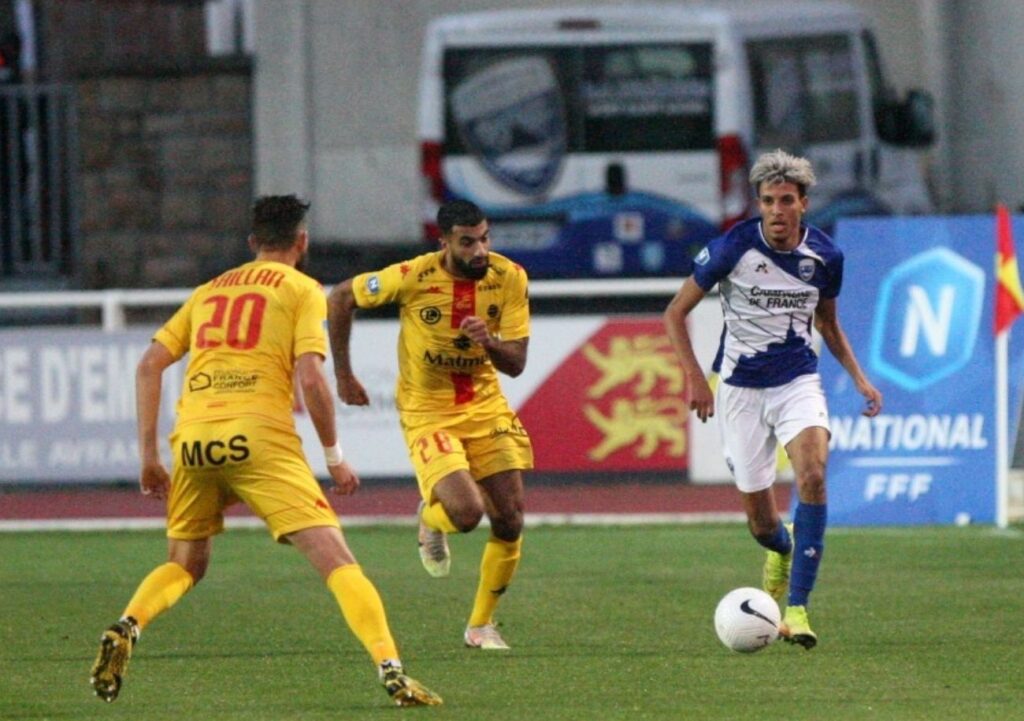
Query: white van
{"points": [[609, 141]]}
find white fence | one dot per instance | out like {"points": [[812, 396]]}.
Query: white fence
{"points": [[112, 303]]}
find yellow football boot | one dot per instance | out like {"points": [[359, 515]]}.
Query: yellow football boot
{"points": [[775, 579], [796, 628]]}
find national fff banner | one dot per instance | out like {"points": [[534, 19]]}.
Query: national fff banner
{"points": [[917, 306]]}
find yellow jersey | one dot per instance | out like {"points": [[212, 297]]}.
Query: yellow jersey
{"points": [[243, 330], [439, 369]]}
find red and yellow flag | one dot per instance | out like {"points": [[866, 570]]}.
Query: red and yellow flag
{"points": [[1009, 295]]}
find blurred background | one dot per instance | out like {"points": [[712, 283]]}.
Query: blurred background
{"points": [[136, 132]]}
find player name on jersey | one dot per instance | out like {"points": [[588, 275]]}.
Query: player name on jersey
{"points": [[266, 277]]}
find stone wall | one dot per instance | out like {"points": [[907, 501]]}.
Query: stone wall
{"points": [[166, 175], [165, 138]]}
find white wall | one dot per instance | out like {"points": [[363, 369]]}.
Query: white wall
{"points": [[987, 103]]}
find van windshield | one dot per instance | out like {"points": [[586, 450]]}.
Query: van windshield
{"points": [[595, 98], [805, 90]]}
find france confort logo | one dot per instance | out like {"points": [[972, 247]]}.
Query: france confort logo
{"points": [[511, 116], [921, 302]]}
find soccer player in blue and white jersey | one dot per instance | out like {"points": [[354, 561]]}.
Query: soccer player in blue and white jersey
{"points": [[777, 277]]}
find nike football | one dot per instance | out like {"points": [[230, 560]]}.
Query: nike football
{"points": [[747, 619]]}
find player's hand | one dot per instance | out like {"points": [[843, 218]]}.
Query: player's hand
{"points": [[873, 398], [345, 479], [702, 400], [154, 480], [475, 329], [351, 391]]}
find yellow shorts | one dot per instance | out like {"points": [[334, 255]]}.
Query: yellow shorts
{"points": [[216, 464], [482, 441]]}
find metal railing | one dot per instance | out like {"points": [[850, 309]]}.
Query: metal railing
{"points": [[38, 181], [113, 303]]}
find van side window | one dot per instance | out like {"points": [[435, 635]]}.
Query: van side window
{"points": [[804, 89]]}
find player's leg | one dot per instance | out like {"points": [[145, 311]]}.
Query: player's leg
{"points": [[451, 503], [809, 454], [503, 493], [195, 515], [279, 486], [362, 608], [159, 590], [766, 526], [361, 605], [459, 499], [800, 414], [498, 455], [187, 561], [750, 445]]}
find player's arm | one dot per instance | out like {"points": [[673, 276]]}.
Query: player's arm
{"points": [[309, 374], [153, 477], [341, 307], [826, 322], [508, 356], [696, 385]]}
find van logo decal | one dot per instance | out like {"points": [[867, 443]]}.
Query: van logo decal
{"points": [[511, 116]]}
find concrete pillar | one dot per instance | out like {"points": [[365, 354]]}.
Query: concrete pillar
{"points": [[282, 107]]}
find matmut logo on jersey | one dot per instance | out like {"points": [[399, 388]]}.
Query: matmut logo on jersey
{"points": [[621, 393]]}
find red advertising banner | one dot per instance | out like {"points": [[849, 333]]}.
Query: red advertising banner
{"points": [[614, 404]]}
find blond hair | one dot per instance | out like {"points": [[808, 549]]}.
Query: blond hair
{"points": [[778, 167]]}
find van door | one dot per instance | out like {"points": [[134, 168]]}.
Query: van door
{"points": [[810, 99]]}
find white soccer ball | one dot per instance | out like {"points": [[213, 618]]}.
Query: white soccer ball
{"points": [[747, 619]]}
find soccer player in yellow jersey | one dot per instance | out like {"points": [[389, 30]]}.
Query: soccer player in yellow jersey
{"points": [[465, 316], [250, 334]]}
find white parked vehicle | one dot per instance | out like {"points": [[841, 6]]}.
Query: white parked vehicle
{"points": [[617, 140]]}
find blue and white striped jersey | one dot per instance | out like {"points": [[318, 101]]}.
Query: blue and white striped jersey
{"points": [[768, 301]]}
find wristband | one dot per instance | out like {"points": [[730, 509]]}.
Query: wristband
{"points": [[333, 454]]}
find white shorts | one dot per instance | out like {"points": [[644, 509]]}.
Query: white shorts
{"points": [[752, 421]]}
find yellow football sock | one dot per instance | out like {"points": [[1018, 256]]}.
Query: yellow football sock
{"points": [[158, 591], [498, 565], [363, 611], [435, 517]]}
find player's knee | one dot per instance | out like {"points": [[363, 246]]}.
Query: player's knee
{"points": [[467, 517], [196, 568], [193, 556], [811, 484], [509, 526]]}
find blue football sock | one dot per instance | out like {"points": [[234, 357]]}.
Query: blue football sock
{"points": [[779, 541], [809, 523]]}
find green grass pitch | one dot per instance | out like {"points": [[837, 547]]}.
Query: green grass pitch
{"points": [[605, 623]]}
